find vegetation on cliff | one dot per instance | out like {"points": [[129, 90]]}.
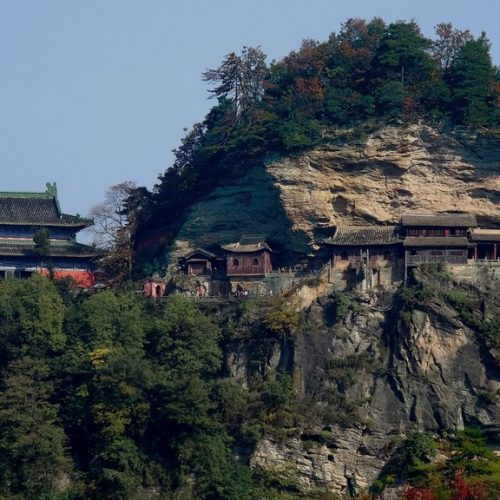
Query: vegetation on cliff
{"points": [[116, 396], [368, 73]]}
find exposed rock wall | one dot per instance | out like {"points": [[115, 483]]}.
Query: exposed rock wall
{"points": [[345, 181], [421, 370]]}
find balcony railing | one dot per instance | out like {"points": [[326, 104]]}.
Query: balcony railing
{"points": [[416, 260]]}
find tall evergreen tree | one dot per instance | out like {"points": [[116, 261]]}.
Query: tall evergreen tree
{"points": [[471, 79]]}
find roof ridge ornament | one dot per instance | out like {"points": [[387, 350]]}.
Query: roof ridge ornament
{"points": [[51, 189]]}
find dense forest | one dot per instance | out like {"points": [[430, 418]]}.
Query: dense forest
{"points": [[115, 396], [366, 74]]}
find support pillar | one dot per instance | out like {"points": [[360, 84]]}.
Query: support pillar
{"points": [[495, 251]]}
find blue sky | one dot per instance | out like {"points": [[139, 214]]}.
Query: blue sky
{"points": [[95, 92]]}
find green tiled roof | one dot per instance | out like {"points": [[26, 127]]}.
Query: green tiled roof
{"points": [[17, 247], [36, 209]]}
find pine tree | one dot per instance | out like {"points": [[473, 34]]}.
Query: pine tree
{"points": [[471, 83]]}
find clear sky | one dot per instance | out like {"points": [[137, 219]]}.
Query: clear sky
{"points": [[95, 92]]}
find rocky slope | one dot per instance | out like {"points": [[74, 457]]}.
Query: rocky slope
{"points": [[370, 378], [350, 180]]}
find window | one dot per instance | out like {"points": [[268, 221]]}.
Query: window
{"points": [[456, 252], [436, 252], [255, 262], [236, 262], [344, 256], [436, 232]]}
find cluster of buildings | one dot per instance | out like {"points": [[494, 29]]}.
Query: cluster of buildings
{"points": [[380, 256], [355, 257], [362, 257]]}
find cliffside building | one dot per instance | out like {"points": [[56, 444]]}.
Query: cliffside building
{"points": [[22, 216], [366, 257], [486, 243], [251, 256], [359, 257], [438, 238]]}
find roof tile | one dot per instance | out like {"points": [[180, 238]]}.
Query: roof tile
{"points": [[364, 235], [439, 220]]}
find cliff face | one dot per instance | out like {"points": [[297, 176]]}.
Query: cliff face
{"points": [[345, 181], [374, 375], [369, 379]]}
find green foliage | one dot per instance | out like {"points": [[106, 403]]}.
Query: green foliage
{"points": [[33, 456], [124, 405], [389, 98], [41, 240], [31, 317], [471, 81], [408, 461], [403, 54], [339, 307], [342, 374], [434, 284], [470, 470], [282, 320], [469, 309], [299, 135]]}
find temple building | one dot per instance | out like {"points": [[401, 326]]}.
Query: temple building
{"points": [[201, 262], [437, 238], [35, 237], [486, 243], [251, 256], [366, 257], [246, 267]]}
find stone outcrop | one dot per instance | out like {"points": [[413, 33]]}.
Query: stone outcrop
{"points": [[421, 370], [393, 170]]}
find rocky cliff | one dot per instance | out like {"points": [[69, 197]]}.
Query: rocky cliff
{"points": [[372, 179], [372, 376], [368, 379]]}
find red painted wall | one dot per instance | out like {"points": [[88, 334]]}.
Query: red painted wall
{"points": [[154, 289], [243, 264], [82, 278]]}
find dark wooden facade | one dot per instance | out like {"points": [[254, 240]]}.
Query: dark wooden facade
{"points": [[199, 263], [486, 244], [248, 257], [429, 250], [256, 263], [369, 255], [437, 238], [251, 256]]}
